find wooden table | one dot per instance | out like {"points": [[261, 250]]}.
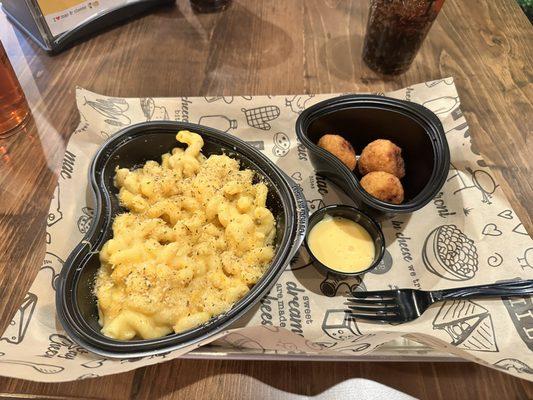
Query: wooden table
{"points": [[261, 47]]}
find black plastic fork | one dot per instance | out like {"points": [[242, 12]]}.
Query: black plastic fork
{"points": [[404, 305]]}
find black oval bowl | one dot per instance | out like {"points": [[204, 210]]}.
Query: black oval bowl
{"points": [[75, 300], [360, 119], [348, 212]]}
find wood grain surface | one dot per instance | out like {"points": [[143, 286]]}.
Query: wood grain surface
{"points": [[261, 47]]}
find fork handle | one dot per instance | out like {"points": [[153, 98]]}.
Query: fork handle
{"points": [[504, 289]]}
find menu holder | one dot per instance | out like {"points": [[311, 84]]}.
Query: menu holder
{"points": [[57, 24]]}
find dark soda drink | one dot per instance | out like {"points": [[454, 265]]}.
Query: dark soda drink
{"points": [[395, 31], [13, 106], [209, 6]]}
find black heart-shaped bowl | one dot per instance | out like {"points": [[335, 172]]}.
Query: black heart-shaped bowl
{"points": [[75, 299], [361, 119]]}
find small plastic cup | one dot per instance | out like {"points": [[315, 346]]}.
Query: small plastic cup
{"points": [[356, 215]]}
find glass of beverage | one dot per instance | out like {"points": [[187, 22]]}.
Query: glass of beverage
{"points": [[14, 109], [395, 32], [209, 6]]}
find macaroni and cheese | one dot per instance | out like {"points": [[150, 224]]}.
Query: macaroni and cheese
{"points": [[196, 238]]}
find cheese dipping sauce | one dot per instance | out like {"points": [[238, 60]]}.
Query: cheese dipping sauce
{"points": [[341, 244]]}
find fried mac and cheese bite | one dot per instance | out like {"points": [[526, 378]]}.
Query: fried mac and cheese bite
{"points": [[340, 148], [383, 186], [196, 238], [382, 155]]}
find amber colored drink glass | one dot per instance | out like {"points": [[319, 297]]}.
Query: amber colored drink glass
{"points": [[13, 106]]}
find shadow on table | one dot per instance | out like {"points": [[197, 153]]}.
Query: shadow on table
{"points": [[342, 57], [27, 181], [239, 36]]}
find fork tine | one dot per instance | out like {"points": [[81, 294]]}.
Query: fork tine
{"points": [[371, 300], [388, 308], [376, 310], [379, 293], [377, 317]]}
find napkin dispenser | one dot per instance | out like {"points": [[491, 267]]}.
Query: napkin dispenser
{"points": [[57, 24]]}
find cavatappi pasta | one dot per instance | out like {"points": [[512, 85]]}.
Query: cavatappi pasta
{"points": [[196, 238]]}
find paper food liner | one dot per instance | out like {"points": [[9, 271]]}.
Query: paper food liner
{"points": [[304, 312]]}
